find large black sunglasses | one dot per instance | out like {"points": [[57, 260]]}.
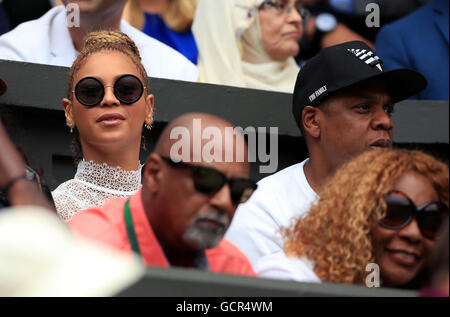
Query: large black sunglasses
{"points": [[90, 91], [209, 181], [401, 211]]}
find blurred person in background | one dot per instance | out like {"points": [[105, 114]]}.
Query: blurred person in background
{"points": [[168, 21], [20, 11], [420, 41], [19, 184], [323, 28], [383, 207], [336, 21], [438, 284], [249, 43], [57, 37], [5, 25]]}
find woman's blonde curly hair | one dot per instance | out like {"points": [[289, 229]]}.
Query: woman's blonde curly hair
{"points": [[336, 232]]}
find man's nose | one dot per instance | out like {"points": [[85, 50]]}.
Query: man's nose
{"points": [[382, 120], [222, 199]]}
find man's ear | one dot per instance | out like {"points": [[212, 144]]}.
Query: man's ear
{"points": [[153, 173], [68, 111], [311, 120]]}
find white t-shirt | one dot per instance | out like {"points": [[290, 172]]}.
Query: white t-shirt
{"points": [[279, 200], [281, 267], [47, 41]]}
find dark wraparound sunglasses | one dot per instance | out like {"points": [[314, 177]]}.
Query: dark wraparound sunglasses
{"points": [[401, 211], [209, 181], [90, 91]]}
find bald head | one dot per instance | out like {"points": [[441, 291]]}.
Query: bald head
{"points": [[200, 137], [193, 182]]}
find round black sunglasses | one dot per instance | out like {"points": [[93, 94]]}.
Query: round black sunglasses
{"points": [[90, 91]]}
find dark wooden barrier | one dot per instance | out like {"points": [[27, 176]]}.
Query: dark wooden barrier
{"points": [[193, 283], [35, 120]]}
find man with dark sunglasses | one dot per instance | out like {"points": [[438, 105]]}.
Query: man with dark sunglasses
{"points": [[342, 102], [186, 203]]}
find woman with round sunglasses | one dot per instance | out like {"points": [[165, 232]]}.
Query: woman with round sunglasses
{"points": [[249, 43], [107, 108], [375, 224]]}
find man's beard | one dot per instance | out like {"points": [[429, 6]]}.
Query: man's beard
{"points": [[202, 235]]}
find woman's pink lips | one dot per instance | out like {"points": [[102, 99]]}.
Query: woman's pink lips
{"points": [[111, 123], [111, 119], [401, 259]]}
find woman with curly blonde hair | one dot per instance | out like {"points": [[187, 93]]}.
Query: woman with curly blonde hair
{"points": [[383, 207]]}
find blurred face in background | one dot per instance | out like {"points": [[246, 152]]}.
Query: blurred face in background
{"points": [[281, 28]]}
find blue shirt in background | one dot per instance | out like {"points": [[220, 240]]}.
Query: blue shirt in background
{"points": [[4, 21], [182, 42]]}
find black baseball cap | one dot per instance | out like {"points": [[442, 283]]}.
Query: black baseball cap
{"points": [[340, 66], [3, 86]]}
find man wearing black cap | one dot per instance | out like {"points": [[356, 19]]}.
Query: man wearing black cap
{"points": [[342, 102]]}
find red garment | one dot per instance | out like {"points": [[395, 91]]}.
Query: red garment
{"points": [[106, 224]]}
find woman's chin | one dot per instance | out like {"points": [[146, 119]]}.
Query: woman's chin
{"points": [[113, 140], [281, 57]]}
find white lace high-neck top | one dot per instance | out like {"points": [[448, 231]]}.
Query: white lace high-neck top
{"points": [[92, 185]]}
